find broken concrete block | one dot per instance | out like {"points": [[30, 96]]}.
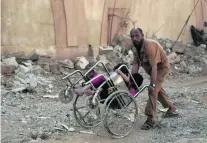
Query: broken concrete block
{"points": [[168, 45], [103, 59], [203, 46], [105, 50], [10, 62], [173, 58], [81, 63], [33, 56], [179, 48], [24, 69], [7, 69], [67, 63]]}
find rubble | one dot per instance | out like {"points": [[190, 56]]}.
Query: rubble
{"points": [[67, 63], [27, 91], [33, 56], [173, 58], [105, 50], [7, 69], [168, 45], [81, 63], [103, 59], [10, 62], [179, 48], [203, 46]]}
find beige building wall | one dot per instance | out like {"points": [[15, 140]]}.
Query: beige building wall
{"points": [[29, 24]]}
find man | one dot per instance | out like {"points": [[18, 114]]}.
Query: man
{"points": [[150, 55]]}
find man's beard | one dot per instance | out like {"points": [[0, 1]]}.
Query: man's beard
{"points": [[138, 44]]}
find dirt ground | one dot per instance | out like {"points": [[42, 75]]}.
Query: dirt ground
{"points": [[26, 115]]}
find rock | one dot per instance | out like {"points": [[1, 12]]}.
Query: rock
{"points": [[183, 64], [87, 132], [168, 45], [105, 50], [67, 63], [30, 89], [50, 86], [33, 83], [19, 89], [37, 69], [117, 49], [3, 110], [126, 59], [10, 62], [197, 59], [190, 46], [7, 69], [26, 64], [44, 136], [92, 61], [4, 92], [54, 68], [33, 56], [203, 46], [173, 58], [23, 120], [113, 57], [81, 63], [205, 61], [192, 69], [23, 69], [21, 80], [34, 135], [103, 59], [46, 67], [179, 48]]}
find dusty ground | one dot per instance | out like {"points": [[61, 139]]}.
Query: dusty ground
{"points": [[25, 115]]}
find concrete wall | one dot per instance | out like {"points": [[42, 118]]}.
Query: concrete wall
{"points": [[29, 24]]}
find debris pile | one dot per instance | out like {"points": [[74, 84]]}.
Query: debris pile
{"points": [[185, 58], [31, 83]]}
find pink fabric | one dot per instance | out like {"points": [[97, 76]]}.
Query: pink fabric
{"points": [[98, 80], [133, 92]]}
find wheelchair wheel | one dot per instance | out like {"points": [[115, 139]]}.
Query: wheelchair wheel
{"points": [[119, 114], [86, 113]]}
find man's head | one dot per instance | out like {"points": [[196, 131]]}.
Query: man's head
{"points": [[137, 36]]}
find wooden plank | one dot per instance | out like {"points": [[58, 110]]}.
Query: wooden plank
{"points": [[59, 22]]}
